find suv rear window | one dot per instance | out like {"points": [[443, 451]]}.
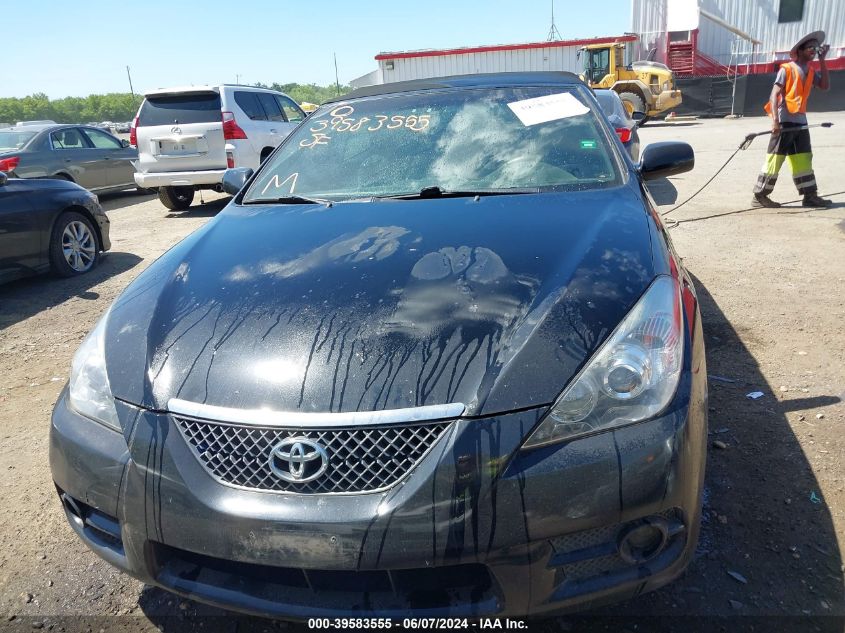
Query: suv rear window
{"points": [[176, 109]]}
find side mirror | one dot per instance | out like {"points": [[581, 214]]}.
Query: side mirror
{"points": [[638, 116], [234, 179], [3, 178], [124, 143], [660, 160]]}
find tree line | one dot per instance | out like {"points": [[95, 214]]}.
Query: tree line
{"points": [[119, 106], [311, 93]]}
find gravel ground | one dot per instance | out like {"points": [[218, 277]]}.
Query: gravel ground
{"points": [[771, 286]]}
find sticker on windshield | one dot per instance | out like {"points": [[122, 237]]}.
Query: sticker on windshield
{"points": [[548, 108], [589, 144]]}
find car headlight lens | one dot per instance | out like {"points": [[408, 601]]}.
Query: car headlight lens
{"points": [[578, 401], [628, 372], [89, 393], [631, 378]]}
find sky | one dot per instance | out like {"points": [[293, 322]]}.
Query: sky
{"points": [[82, 47]]}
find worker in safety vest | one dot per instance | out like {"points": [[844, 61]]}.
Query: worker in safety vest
{"points": [[788, 107]]}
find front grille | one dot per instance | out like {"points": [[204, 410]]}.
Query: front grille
{"points": [[360, 459]]}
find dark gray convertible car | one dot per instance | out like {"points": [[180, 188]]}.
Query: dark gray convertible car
{"points": [[436, 358], [49, 225], [88, 156]]}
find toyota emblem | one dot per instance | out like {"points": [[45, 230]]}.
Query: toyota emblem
{"points": [[298, 460]]}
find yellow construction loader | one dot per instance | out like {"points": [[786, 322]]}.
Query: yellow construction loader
{"points": [[645, 86]]}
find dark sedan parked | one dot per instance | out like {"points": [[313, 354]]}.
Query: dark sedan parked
{"points": [[88, 156], [621, 121], [436, 358], [49, 224]]}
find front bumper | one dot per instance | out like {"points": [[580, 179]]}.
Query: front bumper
{"points": [[470, 533], [104, 225], [478, 528], [103, 222]]}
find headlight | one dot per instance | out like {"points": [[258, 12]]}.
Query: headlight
{"points": [[631, 378], [90, 393]]}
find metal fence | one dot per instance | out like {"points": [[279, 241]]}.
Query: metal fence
{"points": [[746, 94]]}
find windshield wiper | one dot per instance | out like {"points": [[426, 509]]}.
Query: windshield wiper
{"points": [[291, 199], [438, 192]]}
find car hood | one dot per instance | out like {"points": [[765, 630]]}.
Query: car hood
{"points": [[492, 302]]}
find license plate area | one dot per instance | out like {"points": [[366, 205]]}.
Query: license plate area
{"points": [[189, 146]]}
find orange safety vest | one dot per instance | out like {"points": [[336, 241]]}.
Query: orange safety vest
{"points": [[795, 93]]}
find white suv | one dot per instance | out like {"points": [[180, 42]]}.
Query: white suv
{"points": [[187, 137]]}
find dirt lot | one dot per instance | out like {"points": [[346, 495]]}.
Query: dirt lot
{"points": [[771, 283]]}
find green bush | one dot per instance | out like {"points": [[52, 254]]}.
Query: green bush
{"points": [[122, 106], [109, 107]]}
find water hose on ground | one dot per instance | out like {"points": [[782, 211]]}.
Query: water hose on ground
{"points": [[746, 143]]}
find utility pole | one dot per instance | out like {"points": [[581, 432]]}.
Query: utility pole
{"points": [[554, 34], [130, 83], [336, 81]]}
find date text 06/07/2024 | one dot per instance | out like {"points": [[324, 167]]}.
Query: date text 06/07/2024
{"points": [[417, 623]]}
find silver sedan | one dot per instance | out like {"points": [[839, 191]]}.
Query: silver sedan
{"points": [[88, 156], [622, 122]]}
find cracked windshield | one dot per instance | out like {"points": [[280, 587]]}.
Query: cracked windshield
{"points": [[478, 141]]}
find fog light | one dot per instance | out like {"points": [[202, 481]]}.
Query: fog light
{"points": [[642, 542]]}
